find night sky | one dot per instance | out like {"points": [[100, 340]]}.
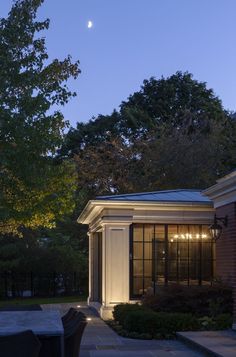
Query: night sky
{"points": [[132, 40]]}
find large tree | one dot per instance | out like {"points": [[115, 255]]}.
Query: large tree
{"points": [[36, 188], [172, 133]]}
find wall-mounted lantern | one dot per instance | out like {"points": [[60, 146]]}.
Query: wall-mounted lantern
{"points": [[216, 228]]}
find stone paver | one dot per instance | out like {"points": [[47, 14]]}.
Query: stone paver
{"points": [[217, 343], [99, 340]]}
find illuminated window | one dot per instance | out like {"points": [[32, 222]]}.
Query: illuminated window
{"points": [[166, 254]]}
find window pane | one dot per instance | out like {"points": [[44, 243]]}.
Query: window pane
{"points": [[148, 268], [183, 233], [194, 233], [148, 250], [206, 271], [194, 252], [172, 270], [160, 271], [206, 234], [172, 233], [138, 268], [147, 284], [138, 232], [183, 272], [148, 232], [159, 232], [138, 251], [172, 251], [206, 251], [159, 250], [194, 272], [183, 250], [137, 286]]}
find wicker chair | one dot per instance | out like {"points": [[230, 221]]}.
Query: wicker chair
{"points": [[73, 317], [23, 344], [69, 315], [73, 334], [73, 330]]}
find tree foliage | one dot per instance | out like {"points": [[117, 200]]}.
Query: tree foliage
{"points": [[36, 188], [172, 133]]}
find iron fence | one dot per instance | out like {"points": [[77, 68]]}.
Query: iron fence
{"points": [[18, 284]]}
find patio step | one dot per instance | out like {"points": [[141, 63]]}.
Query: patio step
{"points": [[212, 343]]}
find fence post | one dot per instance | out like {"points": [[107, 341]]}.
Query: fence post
{"points": [[5, 284], [32, 284], [54, 283], [74, 282]]}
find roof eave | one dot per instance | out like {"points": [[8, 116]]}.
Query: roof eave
{"points": [[88, 213]]}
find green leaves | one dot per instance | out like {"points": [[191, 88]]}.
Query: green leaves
{"points": [[35, 189], [172, 133]]}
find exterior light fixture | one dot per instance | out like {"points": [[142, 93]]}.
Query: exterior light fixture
{"points": [[216, 228]]}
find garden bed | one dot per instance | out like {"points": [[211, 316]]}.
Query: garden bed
{"points": [[160, 317]]}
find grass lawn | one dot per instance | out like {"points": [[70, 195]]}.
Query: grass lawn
{"points": [[40, 301]]}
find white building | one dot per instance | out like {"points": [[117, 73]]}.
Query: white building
{"points": [[139, 242]]}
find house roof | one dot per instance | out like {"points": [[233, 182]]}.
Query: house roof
{"points": [[158, 199], [181, 195]]}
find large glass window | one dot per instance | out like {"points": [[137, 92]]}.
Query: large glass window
{"points": [[166, 254]]}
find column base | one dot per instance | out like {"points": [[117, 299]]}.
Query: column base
{"points": [[106, 312]]}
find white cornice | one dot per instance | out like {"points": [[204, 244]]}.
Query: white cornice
{"points": [[224, 191], [95, 207]]}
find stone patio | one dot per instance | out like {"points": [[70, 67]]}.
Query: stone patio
{"points": [[100, 340], [216, 343]]}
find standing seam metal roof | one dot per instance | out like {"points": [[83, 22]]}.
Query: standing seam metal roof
{"points": [[181, 195]]}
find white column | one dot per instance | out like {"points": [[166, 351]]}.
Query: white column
{"points": [[115, 277], [90, 266]]}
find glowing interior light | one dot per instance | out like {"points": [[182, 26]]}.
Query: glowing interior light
{"points": [[88, 319], [197, 236], [204, 236], [182, 236], [190, 236], [172, 240], [176, 236]]}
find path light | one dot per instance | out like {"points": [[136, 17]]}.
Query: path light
{"points": [[216, 229]]}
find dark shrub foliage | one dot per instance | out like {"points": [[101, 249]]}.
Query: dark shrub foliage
{"points": [[121, 311], [199, 300], [159, 323], [223, 321], [137, 321]]}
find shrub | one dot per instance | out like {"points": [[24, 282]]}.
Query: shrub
{"points": [[137, 321], [162, 324], [223, 321], [121, 311], [219, 322], [198, 300]]}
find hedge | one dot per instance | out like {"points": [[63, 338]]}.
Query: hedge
{"points": [[199, 300], [138, 321], [159, 323]]}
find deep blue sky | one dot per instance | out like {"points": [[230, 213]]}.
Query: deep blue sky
{"points": [[133, 40]]}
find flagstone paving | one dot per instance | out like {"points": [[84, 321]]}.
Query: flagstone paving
{"points": [[99, 340], [217, 343]]}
